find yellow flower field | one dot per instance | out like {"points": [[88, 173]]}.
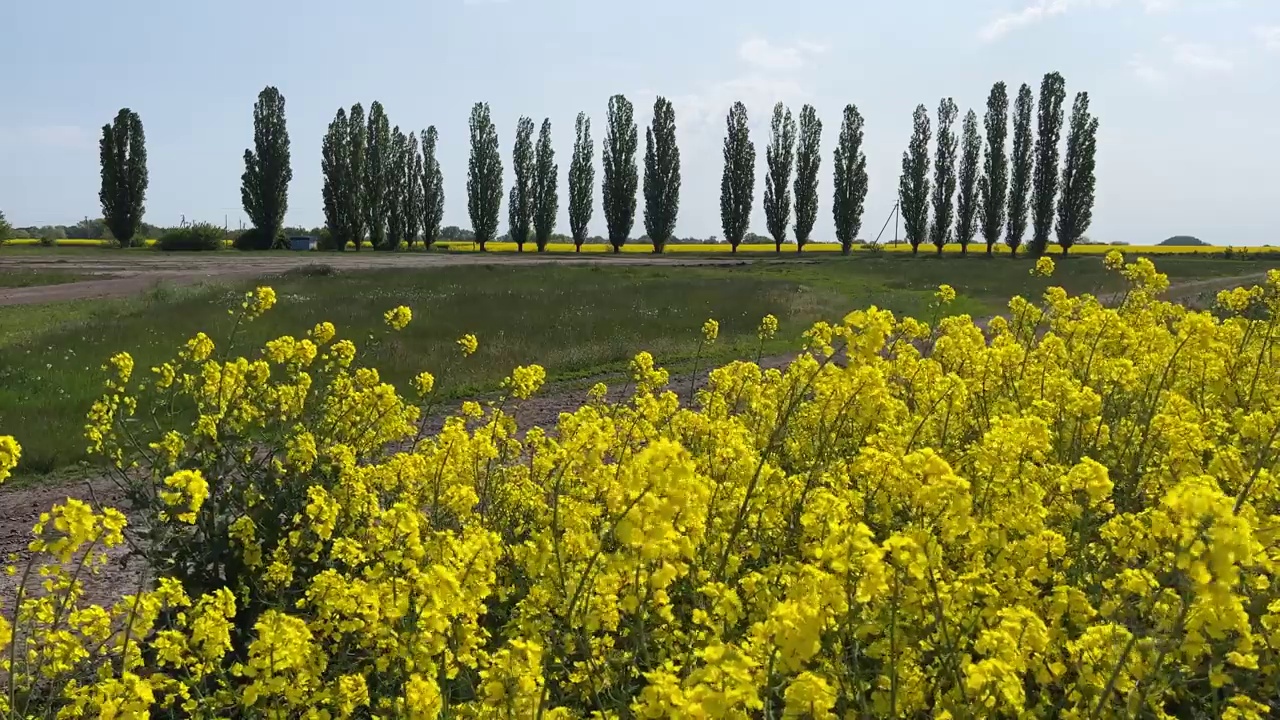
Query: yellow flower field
{"points": [[1073, 511], [758, 248]]}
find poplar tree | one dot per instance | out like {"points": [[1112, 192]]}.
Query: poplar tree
{"points": [[993, 186], [123, 154], [1075, 210], [1053, 92], [661, 175], [335, 167], [546, 202], [357, 149], [412, 171], [808, 158], [520, 203], [582, 181], [779, 155], [913, 185], [397, 190], [850, 179], [378, 164], [432, 188], [484, 175], [944, 175], [1020, 170], [738, 180], [264, 186], [968, 199], [620, 175]]}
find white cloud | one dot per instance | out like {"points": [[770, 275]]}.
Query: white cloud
{"points": [[1200, 57], [705, 109], [1148, 73], [1268, 35], [765, 55], [1041, 10]]}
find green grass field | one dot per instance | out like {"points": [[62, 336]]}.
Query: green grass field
{"points": [[32, 278], [577, 321]]}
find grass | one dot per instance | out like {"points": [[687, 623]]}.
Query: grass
{"points": [[32, 278], [577, 321]]}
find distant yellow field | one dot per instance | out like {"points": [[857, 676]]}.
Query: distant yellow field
{"points": [[764, 248]]}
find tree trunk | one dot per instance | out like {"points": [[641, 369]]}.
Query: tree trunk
{"points": [[990, 248], [844, 249], [482, 242], [915, 249], [964, 250], [1065, 248]]}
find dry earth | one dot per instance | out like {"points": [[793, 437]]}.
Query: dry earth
{"points": [[118, 276]]}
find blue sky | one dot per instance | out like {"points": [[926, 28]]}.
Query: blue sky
{"points": [[1188, 91]]}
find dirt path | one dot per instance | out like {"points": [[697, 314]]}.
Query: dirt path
{"points": [[20, 507], [137, 272]]}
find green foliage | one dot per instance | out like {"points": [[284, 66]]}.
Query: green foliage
{"points": [[1045, 185], [357, 196], [993, 186], [1178, 241], [779, 156], [484, 175], [1020, 173], [432, 182], [1075, 211], [944, 175], [339, 184], [582, 180], [379, 161], [257, 239], [913, 185], [661, 175], [520, 202], [968, 199], [620, 175], [397, 194], [808, 159], [197, 236], [123, 155], [546, 202], [738, 180], [264, 186], [850, 179], [49, 238], [411, 170], [6, 230]]}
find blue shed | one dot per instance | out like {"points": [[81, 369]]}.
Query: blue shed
{"points": [[302, 242]]}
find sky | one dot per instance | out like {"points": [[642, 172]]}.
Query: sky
{"points": [[1187, 92]]}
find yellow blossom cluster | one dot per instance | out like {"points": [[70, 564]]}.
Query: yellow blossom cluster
{"points": [[1071, 512]]}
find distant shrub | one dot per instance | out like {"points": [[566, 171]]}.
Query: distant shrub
{"points": [[49, 239], [199, 236], [1183, 241], [257, 239]]}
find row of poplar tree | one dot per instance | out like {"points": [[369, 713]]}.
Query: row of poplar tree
{"points": [[387, 187], [997, 190]]}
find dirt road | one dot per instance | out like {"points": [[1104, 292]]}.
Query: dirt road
{"points": [[123, 275]]}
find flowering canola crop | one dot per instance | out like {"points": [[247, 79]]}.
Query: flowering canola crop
{"points": [[1072, 511]]}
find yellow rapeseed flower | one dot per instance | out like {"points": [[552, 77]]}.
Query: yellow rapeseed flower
{"points": [[1044, 267], [398, 317], [469, 344], [768, 327], [710, 331]]}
